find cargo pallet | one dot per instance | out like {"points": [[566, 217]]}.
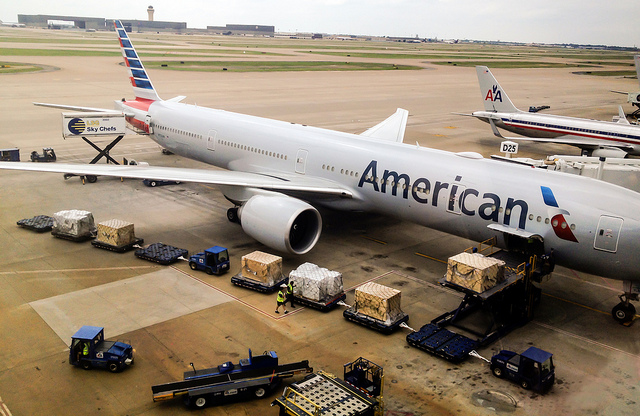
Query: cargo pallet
{"points": [[242, 281], [373, 323], [74, 238], [39, 223], [323, 305], [161, 253], [118, 249], [508, 305]]}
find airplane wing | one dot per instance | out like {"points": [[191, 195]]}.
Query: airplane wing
{"points": [[290, 183], [76, 108], [391, 129]]}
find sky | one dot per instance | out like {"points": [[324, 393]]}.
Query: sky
{"points": [[596, 22]]}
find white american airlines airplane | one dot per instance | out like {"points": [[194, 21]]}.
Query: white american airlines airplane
{"points": [[595, 137], [276, 172]]}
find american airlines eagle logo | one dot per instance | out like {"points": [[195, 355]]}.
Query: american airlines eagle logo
{"points": [[493, 94], [558, 222]]}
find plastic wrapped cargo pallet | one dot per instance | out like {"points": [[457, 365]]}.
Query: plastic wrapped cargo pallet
{"points": [[116, 232], [475, 271], [262, 267], [314, 282], [74, 223], [378, 302]]}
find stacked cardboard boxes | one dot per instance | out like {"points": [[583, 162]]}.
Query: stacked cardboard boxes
{"points": [[74, 223], [474, 271], [262, 267], [315, 283], [378, 302], [116, 232]]}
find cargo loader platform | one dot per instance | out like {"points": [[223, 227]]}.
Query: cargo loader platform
{"points": [[321, 393], [486, 315], [161, 253], [39, 223]]}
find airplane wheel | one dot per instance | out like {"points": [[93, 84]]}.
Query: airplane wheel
{"points": [[232, 214], [497, 371], [623, 313]]}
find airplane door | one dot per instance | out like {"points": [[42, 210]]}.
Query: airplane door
{"points": [[608, 233], [211, 140], [454, 205], [147, 121], [301, 160]]}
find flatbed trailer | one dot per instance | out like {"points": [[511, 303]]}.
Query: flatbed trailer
{"points": [[242, 281], [251, 378], [39, 223], [161, 253], [118, 249], [323, 305], [375, 324], [507, 305]]}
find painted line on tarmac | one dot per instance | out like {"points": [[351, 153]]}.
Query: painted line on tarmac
{"points": [[237, 299], [374, 240], [4, 410], [429, 257], [96, 269], [587, 340]]}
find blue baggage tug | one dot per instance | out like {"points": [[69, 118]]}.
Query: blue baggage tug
{"points": [[214, 260], [88, 349], [533, 369]]}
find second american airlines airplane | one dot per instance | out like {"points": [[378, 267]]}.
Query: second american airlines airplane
{"points": [[595, 137], [276, 172]]}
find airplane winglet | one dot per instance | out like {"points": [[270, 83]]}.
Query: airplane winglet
{"points": [[391, 129], [622, 117]]}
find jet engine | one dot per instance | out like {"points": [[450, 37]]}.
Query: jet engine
{"points": [[609, 152], [281, 222]]}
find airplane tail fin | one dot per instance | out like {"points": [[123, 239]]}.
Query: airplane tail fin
{"points": [[636, 59], [142, 86], [495, 98]]}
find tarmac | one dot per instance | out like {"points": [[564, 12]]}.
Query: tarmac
{"points": [[174, 316]]}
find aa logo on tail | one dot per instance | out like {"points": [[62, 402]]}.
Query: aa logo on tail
{"points": [[494, 94], [558, 222]]}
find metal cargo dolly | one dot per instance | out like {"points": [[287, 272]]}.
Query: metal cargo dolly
{"points": [[373, 323], [242, 281], [323, 305]]}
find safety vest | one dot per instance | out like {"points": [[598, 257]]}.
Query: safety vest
{"points": [[85, 350], [290, 288], [280, 296]]}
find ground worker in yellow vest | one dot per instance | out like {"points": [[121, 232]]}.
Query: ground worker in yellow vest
{"points": [[281, 299], [290, 293]]}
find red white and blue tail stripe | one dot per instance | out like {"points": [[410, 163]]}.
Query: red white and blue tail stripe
{"points": [[142, 86]]}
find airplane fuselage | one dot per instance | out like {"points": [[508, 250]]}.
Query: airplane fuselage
{"points": [[600, 133], [591, 225]]}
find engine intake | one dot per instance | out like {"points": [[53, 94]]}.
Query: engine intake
{"points": [[281, 222]]}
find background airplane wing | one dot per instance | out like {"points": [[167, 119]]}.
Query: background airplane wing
{"points": [[290, 183]]}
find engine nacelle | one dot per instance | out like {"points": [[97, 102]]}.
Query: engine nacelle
{"points": [[281, 222], [609, 152]]}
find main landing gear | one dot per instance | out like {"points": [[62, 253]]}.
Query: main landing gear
{"points": [[624, 312], [232, 215]]}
